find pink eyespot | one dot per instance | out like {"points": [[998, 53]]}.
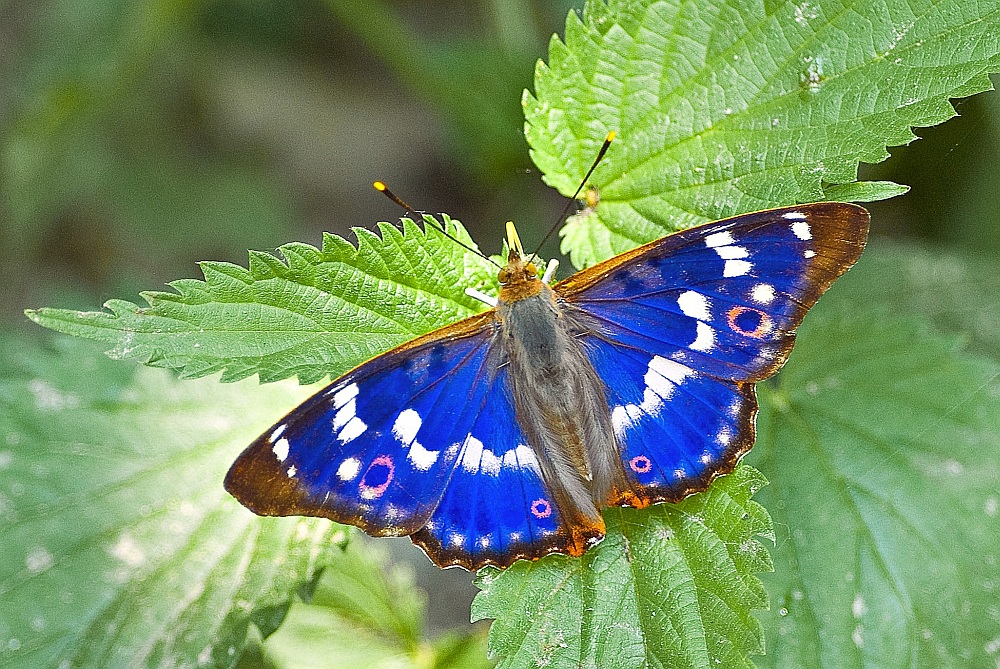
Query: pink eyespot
{"points": [[749, 322], [640, 464], [541, 508], [377, 477]]}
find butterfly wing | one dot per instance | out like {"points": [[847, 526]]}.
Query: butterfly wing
{"points": [[496, 508], [681, 328], [423, 440]]}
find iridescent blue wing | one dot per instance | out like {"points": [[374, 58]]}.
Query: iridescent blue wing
{"points": [[376, 447], [681, 328], [496, 508], [423, 440]]}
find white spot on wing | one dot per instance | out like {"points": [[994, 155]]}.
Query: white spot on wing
{"points": [[345, 394], [348, 469], [662, 378], [718, 239], [736, 268], [801, 230], [669, 369], [732, 252], [472, 454], [521, 457], [406, 426], [694, 305], [345, 414], [421, 458], [808, 253], [762, 293], [354, 429], [794, 216], [705, 339], [490, 463], [277, 433], [405, 430], [291, 472], [281, 449]]}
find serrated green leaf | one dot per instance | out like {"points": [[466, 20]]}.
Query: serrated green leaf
{"points": [[880, 439], [319, 313], [864, 191], [118, 545], [723, 108], [672, 585]]}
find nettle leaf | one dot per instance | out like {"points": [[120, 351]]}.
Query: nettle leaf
{"points": [[880, 439], [118, 544], [317, 314], [729, 107], [672, 585]]}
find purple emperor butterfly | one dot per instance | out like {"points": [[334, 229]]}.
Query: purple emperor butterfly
{"points": [[502, 436]]}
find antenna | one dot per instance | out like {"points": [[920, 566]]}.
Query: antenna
{"points": [[382, 188], [600, 155]]}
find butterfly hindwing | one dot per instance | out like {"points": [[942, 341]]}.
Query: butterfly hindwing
{"points": [[497, 509], [724, 298], [676, 428]]}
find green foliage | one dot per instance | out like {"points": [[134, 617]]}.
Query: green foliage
{"points": [[320, 314], [881, 444], [670, 586], [878, 438], [118, 545], [723, 108], [366, 614]]}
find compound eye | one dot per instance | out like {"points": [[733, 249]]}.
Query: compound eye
{"points": [[530, 269], [502, 276]]}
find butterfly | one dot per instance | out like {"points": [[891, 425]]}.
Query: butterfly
{"points": [[502, 436]]}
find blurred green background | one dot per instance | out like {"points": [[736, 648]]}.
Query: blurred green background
{"points": [[141, 137]]}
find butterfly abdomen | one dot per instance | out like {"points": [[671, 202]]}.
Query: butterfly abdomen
{"points": [[560, 403]]}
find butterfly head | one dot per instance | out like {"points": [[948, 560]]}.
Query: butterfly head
{"points": [[519, 279]]}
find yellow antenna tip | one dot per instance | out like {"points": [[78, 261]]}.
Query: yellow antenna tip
{"points": [[611, 136], [379, 186]]}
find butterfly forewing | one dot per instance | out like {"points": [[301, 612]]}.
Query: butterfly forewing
{"points": [[375, 448], [724, 298]]}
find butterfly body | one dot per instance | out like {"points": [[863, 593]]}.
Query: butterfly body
{"points": [[503, 436]]}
